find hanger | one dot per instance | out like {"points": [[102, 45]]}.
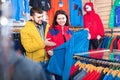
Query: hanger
{"points": [[115, 72], [77, 63], [92, 68], [83, 66], [118, 74], [109, 71], [105, 70], [99, 69]]}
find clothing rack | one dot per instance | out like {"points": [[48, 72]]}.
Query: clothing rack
{"points": [[112, 31], [98, 62], [83, 57]]}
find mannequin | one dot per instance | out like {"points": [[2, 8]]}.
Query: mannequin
{"points": [[88, 8], [94, 24]]}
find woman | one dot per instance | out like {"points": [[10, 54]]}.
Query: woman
{"points": [[58, 32]]}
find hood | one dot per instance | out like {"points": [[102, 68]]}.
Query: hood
{"points": [[91, 5]]}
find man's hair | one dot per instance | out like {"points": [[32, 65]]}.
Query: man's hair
{"points": [[34, 10]]}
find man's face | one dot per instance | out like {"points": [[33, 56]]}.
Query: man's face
{"points": [[37, 18]]}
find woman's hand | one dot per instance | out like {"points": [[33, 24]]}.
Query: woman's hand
{"points": [[50, 52]]}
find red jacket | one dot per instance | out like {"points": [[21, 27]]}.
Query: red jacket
{"points": [[93, 22], [57, 37]]}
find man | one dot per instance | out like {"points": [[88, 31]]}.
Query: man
{"points": [[33, 38], [13, 66]]}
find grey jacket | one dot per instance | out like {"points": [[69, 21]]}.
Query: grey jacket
{"points": [[14, 67]]}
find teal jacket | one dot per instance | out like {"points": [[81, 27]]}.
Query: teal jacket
{"points": [[112, 14]]}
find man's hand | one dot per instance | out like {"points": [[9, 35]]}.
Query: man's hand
{"points": [[49, 43]]}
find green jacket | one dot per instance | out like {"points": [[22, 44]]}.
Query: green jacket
{"points": [[112, 13]]}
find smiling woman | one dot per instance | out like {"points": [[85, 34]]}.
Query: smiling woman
{"points": [[59, 33]]}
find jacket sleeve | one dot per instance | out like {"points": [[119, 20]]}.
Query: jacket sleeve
{"points": [[30, 43], [49, 35], [100, 27]]}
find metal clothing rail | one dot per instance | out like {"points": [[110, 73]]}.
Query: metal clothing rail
{"points": [[98, 62], [92, 52]]}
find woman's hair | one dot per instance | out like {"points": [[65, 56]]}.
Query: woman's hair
{"points": [[55, 17]]}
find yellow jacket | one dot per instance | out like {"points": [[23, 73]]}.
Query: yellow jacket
{"points": [[32, 42]]}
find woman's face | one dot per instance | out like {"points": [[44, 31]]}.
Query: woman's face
{"points": [[61, 19]]}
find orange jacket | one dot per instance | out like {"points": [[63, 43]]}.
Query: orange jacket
{"points": [[55, 6]]}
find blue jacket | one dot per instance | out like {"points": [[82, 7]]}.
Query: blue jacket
{"points": [[18, 6], [117, 16], [76, 15], [62, 60]]}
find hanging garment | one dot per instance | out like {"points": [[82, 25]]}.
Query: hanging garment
{"points": [[109, 42], [105, 42], [96, 70], [80, 75], [112, 42], [34, 3], [115, 46], [93, 22], [62, 59], [43, 4], [19, 9], [117, 16], [101, 76], [56, 5], [118, 43], [114, 15], [76, 14], [74, 68]]}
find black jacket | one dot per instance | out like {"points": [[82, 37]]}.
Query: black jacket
{"points": [[43, 4]]}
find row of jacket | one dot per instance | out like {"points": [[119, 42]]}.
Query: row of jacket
{"points": [[110, 42], [83, 71]]}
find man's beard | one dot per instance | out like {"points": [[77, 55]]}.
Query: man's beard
{"points": [[37, 23]]}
